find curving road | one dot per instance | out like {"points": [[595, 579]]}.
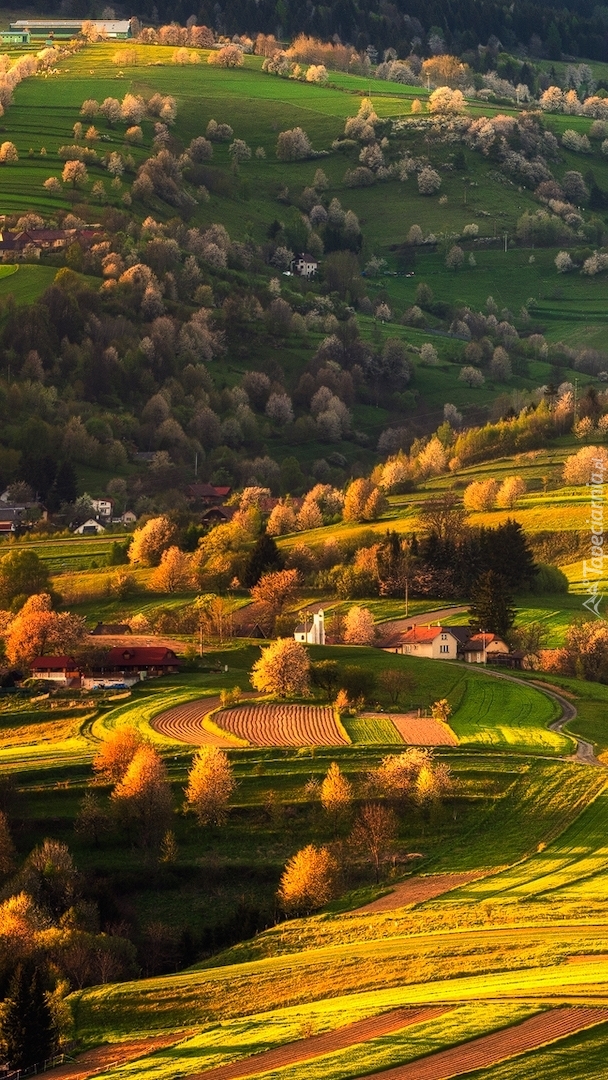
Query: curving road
{"points": [[584, 750]]}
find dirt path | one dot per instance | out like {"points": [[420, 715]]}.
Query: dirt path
{"points": [[359, 1032], [104, 1057], [184, 723], [418, 889], [488, 1050]]}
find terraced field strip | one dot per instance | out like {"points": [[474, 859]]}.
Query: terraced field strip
{"points": [[283, 725], [106, 1057], [317, 1045], [419, 889], [184, 723], [420, 730], [481, 1053]]}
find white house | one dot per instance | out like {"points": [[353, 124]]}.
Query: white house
{"points": [[102, 507], [88, 528], [480, 647], [305, 265], [430, 642], [312, 633]]}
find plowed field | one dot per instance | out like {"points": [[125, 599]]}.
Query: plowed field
{"points": [[419, 889], [283, 725], [359, 1032], [103, 1057], [421, 731], [490, 1049], [184, 723]]}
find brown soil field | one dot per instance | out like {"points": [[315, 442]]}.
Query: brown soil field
{"points": [[488, 1050], [103, 1057], [184, 724], [419, 889], [316, 1045], [283, 725], [420, 730]]}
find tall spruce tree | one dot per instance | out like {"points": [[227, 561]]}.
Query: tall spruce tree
{"points": [[491, 605], [264, 557], [27, 1029]]}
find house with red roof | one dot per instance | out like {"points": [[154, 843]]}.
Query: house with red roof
{"points": [[484, 648], [63, 670]]}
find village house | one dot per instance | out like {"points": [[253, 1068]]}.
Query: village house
{"points": [[126, 666], [89, 528], [110, 630], [102, 508], [305, 265], [209, 494], [430, 642], [480, 648], [63, 670]]}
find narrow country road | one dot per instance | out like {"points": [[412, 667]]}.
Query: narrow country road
{"points": [[584, 750]]}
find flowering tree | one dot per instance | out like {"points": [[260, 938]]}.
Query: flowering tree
{"points": [[283, 668], [174, 572], [37, 630], [294, 145], [276, 590], [454, 258], [230, 56], [363, 501], [149, 542], [510, 491], [359, 626], [308, 881], [480, 495], [472, 376], [429, 181], [336, 793], [279, 409], [74, 173], [563, 262], [590, 460], [282, 520], [116, 753], [210, 785], [446, 101], [8, 153], [143, 796]]}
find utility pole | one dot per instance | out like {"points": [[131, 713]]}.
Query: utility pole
{"points": [[506, 241]]}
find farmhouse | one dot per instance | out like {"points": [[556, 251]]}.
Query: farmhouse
{"points": [[484, 648], [430, 642], [313, 634], [62, 670], [218, 515], [305, 265], [90, 527], [102, 508], [140, 662], [209, 494]]}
